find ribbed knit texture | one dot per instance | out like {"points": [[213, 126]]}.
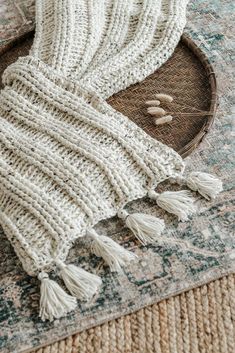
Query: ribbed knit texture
{"points": [[67, 163], [107, 45], [68, 160]]}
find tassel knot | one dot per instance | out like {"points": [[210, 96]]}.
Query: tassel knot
{"points": [[123, 214], [42, 276], [60, 264], [179, 179], [153, 195], [54, 301]]}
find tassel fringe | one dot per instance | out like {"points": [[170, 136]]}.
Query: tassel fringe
{"points": [[80, 283], [113, 254], [206, 184], [145, 227], [54, 301], [179, 203]]}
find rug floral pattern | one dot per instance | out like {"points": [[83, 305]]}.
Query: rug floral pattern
{"points": [[188, 254]]}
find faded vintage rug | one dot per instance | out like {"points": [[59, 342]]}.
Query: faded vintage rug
{"points": [[191, 253]]}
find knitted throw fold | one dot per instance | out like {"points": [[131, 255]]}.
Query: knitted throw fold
{"points": [[68, 159]]}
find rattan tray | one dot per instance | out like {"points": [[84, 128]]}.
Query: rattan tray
{"points": [[188, 76]]}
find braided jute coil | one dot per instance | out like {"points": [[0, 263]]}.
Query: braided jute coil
{"points": [[68, 159]]}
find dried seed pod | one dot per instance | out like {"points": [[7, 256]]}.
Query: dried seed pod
{"points": [[164, 97], [163, 120], [153, 102], [156, 111]]}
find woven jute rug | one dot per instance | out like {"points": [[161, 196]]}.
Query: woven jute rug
{"points": [[182, 289]]}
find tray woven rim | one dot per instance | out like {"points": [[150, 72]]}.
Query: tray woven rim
{"points": [[210, 116]]}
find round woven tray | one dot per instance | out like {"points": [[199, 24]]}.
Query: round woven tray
{"points": [[187, 76]]}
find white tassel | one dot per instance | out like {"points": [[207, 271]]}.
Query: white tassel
{"points": [[145, 227], [113, 254], [179, 203], [206, 184], [54, 301], [80, 283]]}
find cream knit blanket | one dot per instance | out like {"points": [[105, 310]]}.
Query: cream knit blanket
{"points": [[67, 159]]}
